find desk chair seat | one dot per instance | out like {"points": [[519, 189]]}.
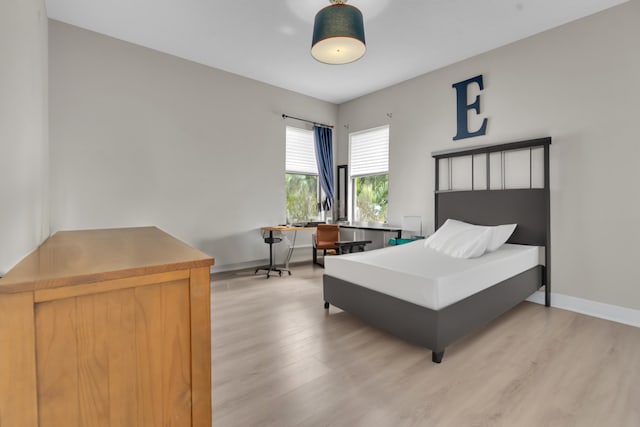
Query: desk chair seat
{"points": [[325, 239]]}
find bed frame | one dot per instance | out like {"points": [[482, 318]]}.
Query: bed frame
{"points": [[436, 329]]}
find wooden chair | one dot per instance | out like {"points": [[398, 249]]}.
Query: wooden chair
{"points": [[325, 238]]}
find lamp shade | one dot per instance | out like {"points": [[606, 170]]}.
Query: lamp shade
{"points": [[338, 35]]}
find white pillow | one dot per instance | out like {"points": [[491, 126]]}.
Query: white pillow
{"points": [[499, 235], [469, 243], [450, 228], [460, 240]]}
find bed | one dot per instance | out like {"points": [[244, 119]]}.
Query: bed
{"points": [[482, 196]]}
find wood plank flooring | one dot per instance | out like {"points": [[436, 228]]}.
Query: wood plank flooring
{"points": [[279, 359]]}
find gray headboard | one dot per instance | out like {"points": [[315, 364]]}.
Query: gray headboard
{"points": [[523, 207], [528, 207]]}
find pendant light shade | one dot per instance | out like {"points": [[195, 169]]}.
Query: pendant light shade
{"points": [[338, 34]]}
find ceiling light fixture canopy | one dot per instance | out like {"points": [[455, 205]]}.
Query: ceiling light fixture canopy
{"points": [[338, 34]]}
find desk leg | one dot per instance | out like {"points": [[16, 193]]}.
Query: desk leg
{"points": [[270, 252], [290, 253]]}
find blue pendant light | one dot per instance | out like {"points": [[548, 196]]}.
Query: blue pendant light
{"points": [[338, 34]]}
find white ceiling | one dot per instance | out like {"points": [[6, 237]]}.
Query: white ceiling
{"points": [[270, 40]]}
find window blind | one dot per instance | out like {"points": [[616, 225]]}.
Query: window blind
{"points": [[300, 151], [369, 152]]}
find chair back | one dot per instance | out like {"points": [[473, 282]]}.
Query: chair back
{"points": [[327, 235]]}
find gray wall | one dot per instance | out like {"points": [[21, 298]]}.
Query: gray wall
{"points": [[578, 84], [23, 129], [139, 137]]}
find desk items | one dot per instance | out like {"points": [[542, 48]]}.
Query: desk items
{"points": [[395, 241]]}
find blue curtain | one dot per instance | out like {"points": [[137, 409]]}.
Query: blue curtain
{"points": [[322, 137]]}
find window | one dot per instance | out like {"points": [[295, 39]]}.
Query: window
{"points": [[369, 161], [302, 184]]}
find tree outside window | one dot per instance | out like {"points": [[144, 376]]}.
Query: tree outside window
{"points": [[371, 198], [302, 197]]}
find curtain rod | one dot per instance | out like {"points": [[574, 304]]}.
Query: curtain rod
{"points": [[284, 116]]}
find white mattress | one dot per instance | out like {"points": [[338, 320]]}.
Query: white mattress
{"points": [[425, 277]]}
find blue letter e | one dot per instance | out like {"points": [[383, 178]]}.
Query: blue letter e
{"points": [[463, 107]]}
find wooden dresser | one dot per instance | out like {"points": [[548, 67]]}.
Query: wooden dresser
{"points": [[106, 328]]}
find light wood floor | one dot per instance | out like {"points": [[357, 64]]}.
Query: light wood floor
{"points": [[280, 360]]}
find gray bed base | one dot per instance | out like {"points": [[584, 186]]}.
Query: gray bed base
{"points": [[433, 329]]}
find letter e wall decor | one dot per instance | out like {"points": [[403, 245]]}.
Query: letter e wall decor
{"points": [[463, 108]]}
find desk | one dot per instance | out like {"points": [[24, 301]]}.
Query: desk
{"points": [[271, 240], [387, 228]]}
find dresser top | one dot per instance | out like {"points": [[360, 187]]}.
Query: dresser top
{"points": [[86, 256]]}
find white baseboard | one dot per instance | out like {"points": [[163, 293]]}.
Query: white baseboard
{"points": [[239, 266], [615, 313], [296, 258]]}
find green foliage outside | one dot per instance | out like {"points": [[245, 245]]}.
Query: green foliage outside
{"points": [[372, 194], [302, 197]]}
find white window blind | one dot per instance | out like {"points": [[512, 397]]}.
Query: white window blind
{"points": [[369, 152], [300, 152]]}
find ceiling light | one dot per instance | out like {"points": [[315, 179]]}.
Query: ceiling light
{"points": [[338, 34]]}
